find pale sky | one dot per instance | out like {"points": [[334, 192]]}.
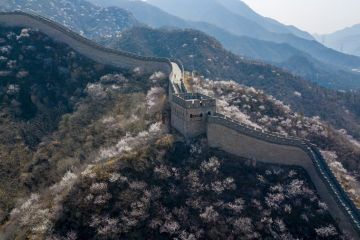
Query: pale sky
{"points": [[314, 16]]}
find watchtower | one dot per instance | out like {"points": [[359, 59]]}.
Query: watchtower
{"points": [[190, 111]]}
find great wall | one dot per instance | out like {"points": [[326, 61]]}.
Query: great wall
{"points": [[194, 114], [84, 46]]}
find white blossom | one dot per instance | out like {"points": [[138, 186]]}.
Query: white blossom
{"points": [[209, 215], [155, 99], [23, 34], [326, 231]]}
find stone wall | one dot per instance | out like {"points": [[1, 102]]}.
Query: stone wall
{"points": [[240, 140], [190, 112], [178, 115], [190, 122], [84, 46]]}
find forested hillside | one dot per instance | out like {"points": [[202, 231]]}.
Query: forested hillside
{"points": [[86, 153], [41, 82], [206, 55]]}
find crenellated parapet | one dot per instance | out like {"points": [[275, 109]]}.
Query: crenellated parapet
{"points": [[256, 132], [190, 113], [193, 100]]}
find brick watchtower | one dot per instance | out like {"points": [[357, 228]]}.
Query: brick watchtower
{"points": [[190, 111]]}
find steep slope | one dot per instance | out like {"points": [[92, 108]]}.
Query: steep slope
{"points": [[199, 52], [42, 81], [78, 15], [345, 40]]}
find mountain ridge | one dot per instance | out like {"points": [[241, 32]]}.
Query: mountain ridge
{"points": [[271, 52], [345, 40], [241, 8], [206, 55]]}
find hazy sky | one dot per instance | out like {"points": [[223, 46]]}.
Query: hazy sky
{"points": [[314, 16]]}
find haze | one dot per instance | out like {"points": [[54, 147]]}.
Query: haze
{"points": [[314, 16]]}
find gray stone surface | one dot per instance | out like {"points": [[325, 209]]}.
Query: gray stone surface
{"points": [[189, 113]]}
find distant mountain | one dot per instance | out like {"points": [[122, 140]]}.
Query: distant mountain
{"points": [[346, 40], [325, 75], [249, 47], [146, 13], [96, 22], [214, 12], [79, 15], [242, 45], [241, 9], [229, 15], [200, 52]]}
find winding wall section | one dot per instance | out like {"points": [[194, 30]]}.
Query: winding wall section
{"points": [[88, 48], [241, 140]]}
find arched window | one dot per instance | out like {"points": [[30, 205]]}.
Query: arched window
{"points": [[191, 116], [209, 113], [201, 115]]}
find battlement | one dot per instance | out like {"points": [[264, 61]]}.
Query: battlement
{"points": [[193, 100], [190, 112]]}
